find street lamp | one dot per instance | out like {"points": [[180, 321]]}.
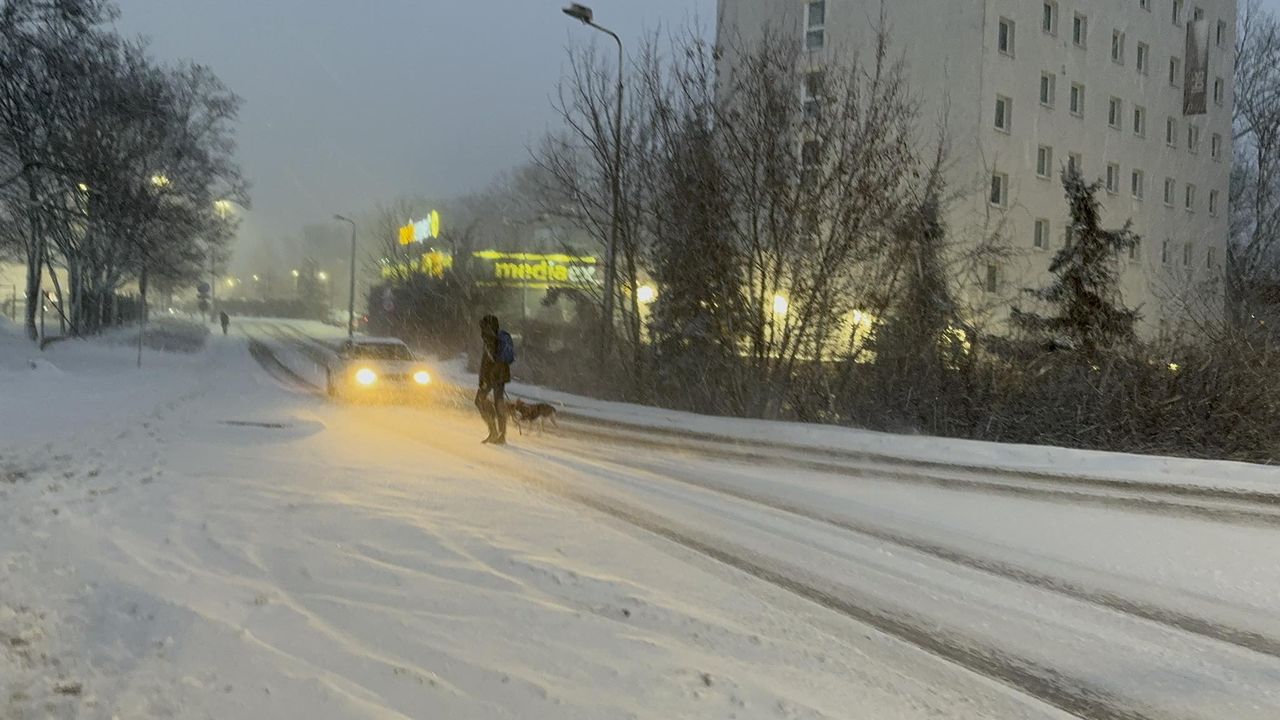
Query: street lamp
{"points": [[351, 296], [583, 14]]}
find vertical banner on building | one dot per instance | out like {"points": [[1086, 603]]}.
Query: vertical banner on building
{"points": [[1195, 86]]}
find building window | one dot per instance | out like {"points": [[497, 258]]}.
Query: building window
{"points": [[999, 189], [1044, 161], [1218, 90], [1143, 53], [1175, 71], [813, 81], [1198, 14], [1136, 181], [1075, 164], [1139, 121], [1210, 259], [1145, 5], [816, 22], [1049, 18], [1004, 113], [1177, 12], [991, 283], [1115, 113], [1135, 250], [1171, 132], [1221, 36], [1190, 197], [1187, 251], [1215, 146], [1004, 36], [1041, 239], [1117, 47], [809, 153], [1169, 188], [1113, 178], [1079, 30], [1213, 203], [1077, 99], [1164, 252], [1193, 138], [1048, 87]]}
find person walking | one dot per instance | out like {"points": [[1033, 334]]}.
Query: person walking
{"points": [[497, 354], [226, 321]]}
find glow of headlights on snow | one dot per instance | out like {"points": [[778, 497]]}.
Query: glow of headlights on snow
{"points": [[365, 376], [421, 377]]}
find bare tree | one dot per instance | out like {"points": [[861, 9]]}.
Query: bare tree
{"points": [[123, 162], [1253, 255]]}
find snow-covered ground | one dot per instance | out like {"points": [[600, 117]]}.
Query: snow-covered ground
{"points": [[204, 538]]}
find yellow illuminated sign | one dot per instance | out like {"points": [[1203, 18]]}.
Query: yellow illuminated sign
{"points": [[539, 271], [419, 230]]}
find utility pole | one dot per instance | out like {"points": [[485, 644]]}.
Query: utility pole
{"points": [[351, 292], [213, 290], [585, 15], [142, 311]]}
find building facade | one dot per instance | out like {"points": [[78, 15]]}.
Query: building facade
{"points": [[1026, 87]]}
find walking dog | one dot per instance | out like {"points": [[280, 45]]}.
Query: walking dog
{"points": [[524, 413]]}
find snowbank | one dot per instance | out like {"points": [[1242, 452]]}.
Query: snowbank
{"points": [[869, 445]]}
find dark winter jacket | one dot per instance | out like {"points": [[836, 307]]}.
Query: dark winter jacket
{"points": [[492, 371]]}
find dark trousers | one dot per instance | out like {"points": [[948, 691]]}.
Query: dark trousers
{"points": [[493, 410]]}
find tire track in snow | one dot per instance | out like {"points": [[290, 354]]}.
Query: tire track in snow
{"points": [[1021, 674], [1247, 639], [1236, 508], [869, 458]]}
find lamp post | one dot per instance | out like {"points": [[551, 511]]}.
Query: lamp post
{"points": [[351, 297], [583, 14]]}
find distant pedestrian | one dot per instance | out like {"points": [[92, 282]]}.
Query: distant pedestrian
{"points": [[226, 321], [497, 354]]}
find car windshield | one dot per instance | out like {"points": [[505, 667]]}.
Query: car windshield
{"points": [[381, 351]]}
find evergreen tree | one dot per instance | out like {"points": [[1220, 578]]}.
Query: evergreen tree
{"points": [[1085, 292]]}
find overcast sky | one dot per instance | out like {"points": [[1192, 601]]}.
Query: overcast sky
{"points": [[348, 103]]}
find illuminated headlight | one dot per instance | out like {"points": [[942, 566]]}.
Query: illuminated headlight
{"points": [[365, 376], [421, 377]]}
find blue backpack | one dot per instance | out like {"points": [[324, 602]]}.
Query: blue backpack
{"points": [[506, 348]]}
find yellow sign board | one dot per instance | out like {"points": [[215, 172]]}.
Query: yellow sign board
{"points": [[419, 230], [537, 270]]}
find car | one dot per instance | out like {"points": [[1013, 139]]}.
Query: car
{"points": [[371, 367]]}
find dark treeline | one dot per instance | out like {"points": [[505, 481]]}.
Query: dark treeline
{"points": [[115, 170]]}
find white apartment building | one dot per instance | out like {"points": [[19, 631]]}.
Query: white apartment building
{"points": [[1031, 85]]}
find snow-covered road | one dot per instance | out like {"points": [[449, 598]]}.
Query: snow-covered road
{"points": [[210, 538]]}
